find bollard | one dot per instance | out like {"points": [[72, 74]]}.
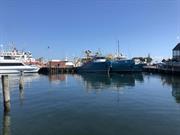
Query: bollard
{"points": [[6, 93]]}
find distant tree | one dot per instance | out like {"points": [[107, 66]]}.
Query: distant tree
{"points": [[97, 54], [88, 52], [41, 59], [163, 60], [168, 60], [149, 59]]}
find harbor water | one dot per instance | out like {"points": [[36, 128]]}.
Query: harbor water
{"points": [[92, 104]]}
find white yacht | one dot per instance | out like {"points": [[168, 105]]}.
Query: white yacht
{"points": [[12, 66], [13, 53], [14, 61]]}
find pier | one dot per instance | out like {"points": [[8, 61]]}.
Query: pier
{"points": [[173, 69], [57, 70]]}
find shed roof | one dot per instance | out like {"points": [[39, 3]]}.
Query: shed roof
{"points": [[177, 47]]}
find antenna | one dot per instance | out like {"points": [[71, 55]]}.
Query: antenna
{"points": [[118, 48]]}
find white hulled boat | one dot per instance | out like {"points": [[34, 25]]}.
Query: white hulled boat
{"points": [[10, 66], [15, 61]]}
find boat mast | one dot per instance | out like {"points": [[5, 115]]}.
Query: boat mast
{"points": [[118, 48], [178, 22]]}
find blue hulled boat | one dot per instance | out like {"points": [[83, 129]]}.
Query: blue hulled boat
{"points": [[126, 65], [96, 65]]}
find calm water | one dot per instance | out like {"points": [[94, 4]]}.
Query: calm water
{"points": [[129, 104]]}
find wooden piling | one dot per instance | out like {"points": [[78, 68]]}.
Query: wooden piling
{"points": [[6, 93]]}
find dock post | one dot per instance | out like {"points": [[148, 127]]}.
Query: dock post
{"points": [[6, 93]]}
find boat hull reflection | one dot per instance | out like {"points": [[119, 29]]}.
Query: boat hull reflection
{"points": [[101, 81]]}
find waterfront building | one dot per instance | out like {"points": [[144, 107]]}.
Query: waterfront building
{"points": [[60, 64], [176, 52]]}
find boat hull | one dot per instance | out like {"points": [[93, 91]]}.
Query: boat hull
{"points": [[125, 66], [18, 69], [94, 67]]}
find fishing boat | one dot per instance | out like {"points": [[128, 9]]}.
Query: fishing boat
{"points": [[126, 65], [121, 64], [97, 64]]}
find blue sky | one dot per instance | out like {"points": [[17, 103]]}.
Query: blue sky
{"points": [[69, 27]]}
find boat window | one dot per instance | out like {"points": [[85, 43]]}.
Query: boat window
{"points": [[8, 57], [11, 64], [99, 57]]}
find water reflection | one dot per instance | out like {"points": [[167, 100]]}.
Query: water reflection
{"points": [[96, 81], [57, 78], [119, 81], [6, 124], [174, 83], [21, 90], [17, 81], [99, 82], [136, 110]]}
